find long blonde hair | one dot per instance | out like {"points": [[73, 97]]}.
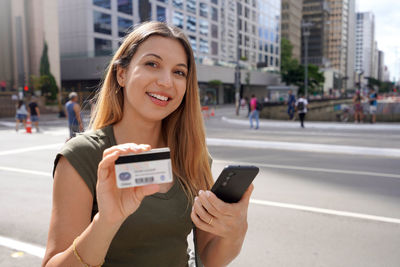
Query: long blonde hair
{"points": [[183, 130]]}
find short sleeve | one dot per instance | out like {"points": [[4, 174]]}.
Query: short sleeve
{"points": [[84, 154]]}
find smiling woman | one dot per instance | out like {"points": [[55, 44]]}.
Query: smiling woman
{"points": [[149, 99]]}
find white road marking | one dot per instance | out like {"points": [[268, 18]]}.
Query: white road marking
{"points": [[300, 168], [39, 251], [31, 249], [308, 147], [40, 173], [32, 148], [326, 211]]}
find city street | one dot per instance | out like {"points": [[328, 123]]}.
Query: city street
{"points": [[326, 195]]}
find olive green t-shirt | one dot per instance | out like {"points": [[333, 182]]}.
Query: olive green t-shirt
{"points": [[156, 234]]}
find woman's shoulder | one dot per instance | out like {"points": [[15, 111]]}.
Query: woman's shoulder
{"points": [[91, 141]]}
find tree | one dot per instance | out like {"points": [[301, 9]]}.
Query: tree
{"points": [[293, 73], [288, 64], [47, 83]]}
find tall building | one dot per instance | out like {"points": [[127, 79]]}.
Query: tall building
{"points": [[381, 65], [259, 31], [291, 25], [24, 27], [365, 37], [221, 32], [341, 41], [316, 16]]}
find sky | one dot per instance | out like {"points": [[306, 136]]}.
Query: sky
{"points": [[387, 30]]}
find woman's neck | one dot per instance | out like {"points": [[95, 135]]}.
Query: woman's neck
{"points": [[139, 132]]}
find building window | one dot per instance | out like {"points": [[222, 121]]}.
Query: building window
{"points": [[125, 6], [102, 47], [214, 14], [203, 27], [214, 48], [203, 46], [102, 3], [191, 6], [123, 26], [177, 3], [203, 10], [214, 31], [214, 2], [193, 43], [161, 14], [191, 24], [101, 22], [177, 19], [163, 1]]}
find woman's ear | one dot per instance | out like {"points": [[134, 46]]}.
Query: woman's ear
{"points": [[121, 74]]}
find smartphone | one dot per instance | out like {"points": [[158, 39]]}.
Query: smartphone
{"points": [[233, 182]]}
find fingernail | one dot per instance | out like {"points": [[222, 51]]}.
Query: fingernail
{"points": [[208, 193], [201, 192], [196, 198]]}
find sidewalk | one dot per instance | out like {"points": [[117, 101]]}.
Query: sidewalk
{"points": [[227, 114]]}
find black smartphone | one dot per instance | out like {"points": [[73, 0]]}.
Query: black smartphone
{"points": [[233, 182]]}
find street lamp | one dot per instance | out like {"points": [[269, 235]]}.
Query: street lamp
{"points": [[306, 33]]}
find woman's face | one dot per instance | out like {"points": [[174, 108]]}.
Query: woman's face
{"points": [[155, 80]]}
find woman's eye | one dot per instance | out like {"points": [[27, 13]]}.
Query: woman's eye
{"points": [[180, 73], [151, 64]]}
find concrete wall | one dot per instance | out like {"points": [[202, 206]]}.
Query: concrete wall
{"points": [[325, 111]]}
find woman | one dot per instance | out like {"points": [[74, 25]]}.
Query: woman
{"points": [[358, 108], [21, 114], [149, 99]]}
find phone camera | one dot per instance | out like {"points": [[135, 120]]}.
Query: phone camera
{"points": [[231, 174], [225, 183]]}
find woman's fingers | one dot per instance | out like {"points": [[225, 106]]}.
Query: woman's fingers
{"points": [[201, 211], [146, 190], [127, 148]]}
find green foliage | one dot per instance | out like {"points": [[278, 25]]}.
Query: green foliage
{"points": [[383, 87], [46, 82], [215, 83], [293, 73]]}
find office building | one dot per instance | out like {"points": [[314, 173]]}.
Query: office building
{"points": [[315, 22], [291, 25], [341, 40], [24, 27], [365, 38], [221, 32]]}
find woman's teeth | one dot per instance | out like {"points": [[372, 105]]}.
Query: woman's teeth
{"points": [[159, 97]]}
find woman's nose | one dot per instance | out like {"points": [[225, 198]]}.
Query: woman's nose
{"points": [[165, 79]]}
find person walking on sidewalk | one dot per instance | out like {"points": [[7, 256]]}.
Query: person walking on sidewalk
{"points": [[148, 99], [373, 104], [254, 113], [301, 106], [73, 112], [34, 112], [21, 114], [291, 101]]}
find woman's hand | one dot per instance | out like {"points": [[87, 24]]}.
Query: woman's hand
{"points": [[228, 221], [116, 204]]}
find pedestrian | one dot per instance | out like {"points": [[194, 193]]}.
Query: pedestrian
{"points": [[291, 101], [148, 99], [73, 113], [21, 114], [358, 108], [373, 104], [301, 106], [34, 112], [254, 112]]}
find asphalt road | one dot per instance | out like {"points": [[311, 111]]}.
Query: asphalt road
{"points": [[326, 195]]}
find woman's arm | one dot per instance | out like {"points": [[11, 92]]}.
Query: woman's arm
{"points": [[72, 208], [71, 217], [222, 227]]}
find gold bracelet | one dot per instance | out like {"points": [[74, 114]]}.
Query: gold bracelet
{"points": [[79, 258]]}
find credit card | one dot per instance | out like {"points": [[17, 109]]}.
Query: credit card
{"points": [[150, 167]]}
